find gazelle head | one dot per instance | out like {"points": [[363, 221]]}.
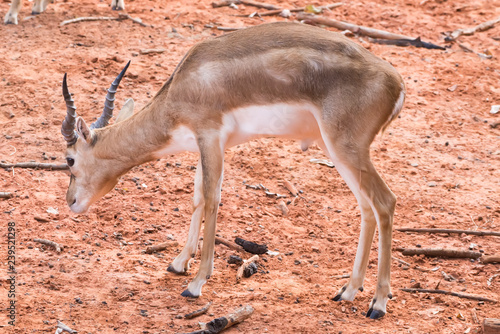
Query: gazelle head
{"points": [[92, 174]]}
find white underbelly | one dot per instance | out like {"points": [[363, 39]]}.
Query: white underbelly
{"points": [[293, 121]]}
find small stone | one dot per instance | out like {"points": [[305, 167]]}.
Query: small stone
{"points": [[432, 184]]}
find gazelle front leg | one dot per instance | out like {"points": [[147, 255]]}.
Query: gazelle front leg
{"points": [[39, 6], [15, 7], [117, 5], [181, 263], [212, 161]]}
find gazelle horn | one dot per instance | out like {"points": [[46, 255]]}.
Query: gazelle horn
{"points": [[109, 105], [68, 125]]}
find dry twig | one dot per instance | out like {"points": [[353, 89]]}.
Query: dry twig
{"points": [[444, 230], [283, 208], [5, 194], [199, 312], [470, 31], [149, 51], [294, 10], [105, 18], [223, 3], [435, 252], [451, 293], [290, 187], [230, 28], [359, 30], [41, 219], [491, 259], [229, 244], [245, 265], [161, 247], [490, 280], [402, 40], [50, 243], [491, 326], [35, 165], [222, 323], [61, 327]]}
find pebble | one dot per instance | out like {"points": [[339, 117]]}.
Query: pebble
{"points": [[432, 184]]}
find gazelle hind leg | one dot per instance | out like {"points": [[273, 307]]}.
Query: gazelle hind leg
{"points": [[117, 5], [11, 16], [212, 160], [39, 6], [180, 265], [377, 205]]}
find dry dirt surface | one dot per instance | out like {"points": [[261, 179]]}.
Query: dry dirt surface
{"points": [[440, 157]]}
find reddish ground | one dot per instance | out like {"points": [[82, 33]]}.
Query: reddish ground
{"points": [[441, 158]]}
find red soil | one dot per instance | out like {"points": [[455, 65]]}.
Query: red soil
{"points": [[441, 158]]}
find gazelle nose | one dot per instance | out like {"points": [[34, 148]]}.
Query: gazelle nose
{"points": [[73, 202]]}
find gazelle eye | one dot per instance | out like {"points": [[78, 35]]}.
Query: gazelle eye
{"points": [[70, 161]]}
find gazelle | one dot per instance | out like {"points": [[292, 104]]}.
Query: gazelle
{"points": [[40, 5], [281, 80]]}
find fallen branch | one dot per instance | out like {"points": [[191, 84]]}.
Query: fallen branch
{"points": [[251, 246], [491, 326], [417, 42], [105, 18], [230, 28], [440, 252], [471, 31], [133, 19], [444, 230], [41, 219], [35, 165], [222, 323], [229, 244], [293, 10], [245, 267], [401, 261], [61, 327], [451, 293], [199, 312], [5, 194], [245, 2], [81, 19], [322, 162], [50, 243], [363, 31], [491, 259], [160, 247], [359, 30], [149, 51]]}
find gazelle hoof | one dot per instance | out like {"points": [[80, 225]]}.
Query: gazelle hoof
{"points": [[374, 314], [187, 293], [172, 270], [338, 297]]}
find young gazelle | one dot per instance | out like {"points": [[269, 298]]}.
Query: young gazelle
{"points": [[40, 5], [280, 80]]}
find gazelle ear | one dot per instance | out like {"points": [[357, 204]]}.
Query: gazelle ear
{"points": [[83, 130], [126, 112]]}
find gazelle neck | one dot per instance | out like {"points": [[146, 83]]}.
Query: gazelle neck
{"points": [[135, 140]]}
